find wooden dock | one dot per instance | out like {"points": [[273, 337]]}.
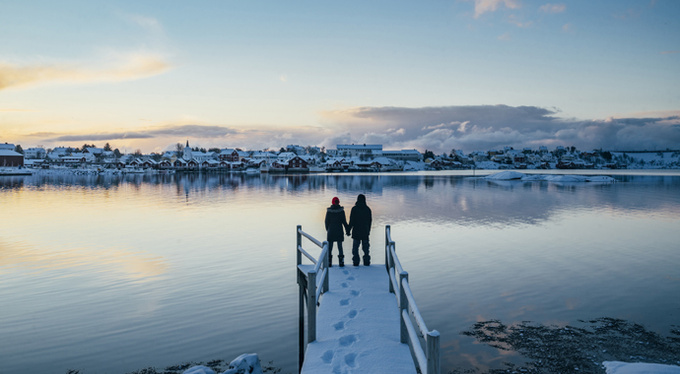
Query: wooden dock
{"points": [[360, 319], [358, 326]]}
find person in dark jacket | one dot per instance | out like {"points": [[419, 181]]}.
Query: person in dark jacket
{"points": [[360, 220], [335, 222]]}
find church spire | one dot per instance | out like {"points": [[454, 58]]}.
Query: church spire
{"points": [[187, 152]]}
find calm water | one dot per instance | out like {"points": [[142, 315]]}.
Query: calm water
{"points": [[111, 275]]}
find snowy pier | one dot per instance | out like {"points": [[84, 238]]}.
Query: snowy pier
{"points": [[360, 319]]}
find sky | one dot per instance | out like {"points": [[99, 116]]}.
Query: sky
{"points": [[436, 75]]}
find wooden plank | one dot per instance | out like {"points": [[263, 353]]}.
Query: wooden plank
{"points": [[358, 326]]}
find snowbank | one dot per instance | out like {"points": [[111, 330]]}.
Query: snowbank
{"points": [[247, 363], [617, 367], [414, 166], [515, 175]]}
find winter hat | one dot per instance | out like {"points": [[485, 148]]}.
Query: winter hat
{"points": [[361, 199], [336, 201]]}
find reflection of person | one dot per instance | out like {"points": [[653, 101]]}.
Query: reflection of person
{"points": [[360, 220], [335, 221]]}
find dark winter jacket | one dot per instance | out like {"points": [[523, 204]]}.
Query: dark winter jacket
{"points": [[335, 221], [360, 219]]}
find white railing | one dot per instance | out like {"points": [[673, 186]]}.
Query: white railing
{"points": [[426, 358], [313, 281]]}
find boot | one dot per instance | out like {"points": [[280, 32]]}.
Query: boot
{"points": [[367, 260], [341, 261]]}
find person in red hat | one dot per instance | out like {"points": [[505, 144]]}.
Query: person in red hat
{"points": [[336, 226]]}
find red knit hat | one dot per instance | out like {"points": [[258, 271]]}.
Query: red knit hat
{"points": [[335, 201]]}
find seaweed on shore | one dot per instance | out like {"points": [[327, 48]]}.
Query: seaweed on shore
{"points": [[218, 366], [570, 349]]}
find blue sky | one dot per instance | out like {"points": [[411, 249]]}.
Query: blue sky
{"points": [[439, 75]]}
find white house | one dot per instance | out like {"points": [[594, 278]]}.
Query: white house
{"points": [[404, 155], [357, 150], [285, 156], [94, 151], [34, 153]]}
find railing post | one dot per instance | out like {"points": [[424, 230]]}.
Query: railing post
{"points": [[403, 305], [387, 249], [301, 324], [324, 249], [311, 306], [301, 309], [299, 243], [433, 363], [391, 246]]}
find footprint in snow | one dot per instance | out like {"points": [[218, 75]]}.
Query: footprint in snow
{"points": [[354, 293], [350, 359], [347, 340], [344, 285], [350, 278], [344, 302], [352, 313], [339, 326], [327, 357]]}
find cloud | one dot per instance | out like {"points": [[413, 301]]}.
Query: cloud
{"points": [[484, 6], [130, 67], [208, 136], [518, 22], [148, 23], [484, 127], [505, 37], [553, 8], [178, 131], [15, 110], [440, 129], [100, 137]]}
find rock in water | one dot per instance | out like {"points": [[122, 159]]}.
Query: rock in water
{"points": [[247, 363]]}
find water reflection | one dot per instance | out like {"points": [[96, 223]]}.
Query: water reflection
{"points": [[121, 270], [130, 265], [456, 197]]}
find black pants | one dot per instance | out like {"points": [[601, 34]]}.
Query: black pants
{"points": [[341, 255], [355, 251]]}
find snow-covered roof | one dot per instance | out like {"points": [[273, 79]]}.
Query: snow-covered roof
{"points": [[94, 150], [7, 152], [286, 155], [383, 161]]}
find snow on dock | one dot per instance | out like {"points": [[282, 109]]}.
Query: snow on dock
{"points": [[358, 326], [360, 319]]}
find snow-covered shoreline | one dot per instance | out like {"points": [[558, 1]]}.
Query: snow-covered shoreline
{"points": [[510, 175], [618, 367], [250, 363]]}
